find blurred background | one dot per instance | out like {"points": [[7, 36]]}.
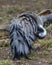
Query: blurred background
{"points": [[10, 9]]}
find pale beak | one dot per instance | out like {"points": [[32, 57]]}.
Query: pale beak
{"points": [[42, 32]]}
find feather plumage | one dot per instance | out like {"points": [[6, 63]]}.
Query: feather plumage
{"points": [[23, 34]]}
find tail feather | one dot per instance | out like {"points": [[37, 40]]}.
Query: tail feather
{"points": [[16, 54], [20, 47]]}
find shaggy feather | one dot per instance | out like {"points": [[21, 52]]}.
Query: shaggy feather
{"points": [[23, 34]]}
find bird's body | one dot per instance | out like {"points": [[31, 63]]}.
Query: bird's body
{"points": [[23, 33]]}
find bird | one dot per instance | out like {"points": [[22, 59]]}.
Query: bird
{"points": [[24, 31], [26, 28]]}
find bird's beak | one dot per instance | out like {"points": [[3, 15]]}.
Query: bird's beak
{"points": [[42, 32]]}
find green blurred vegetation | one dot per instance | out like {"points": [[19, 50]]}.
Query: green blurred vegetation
{"points": [[4, 62]]}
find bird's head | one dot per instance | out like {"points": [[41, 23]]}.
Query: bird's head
{"points": [[43, 17]]}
